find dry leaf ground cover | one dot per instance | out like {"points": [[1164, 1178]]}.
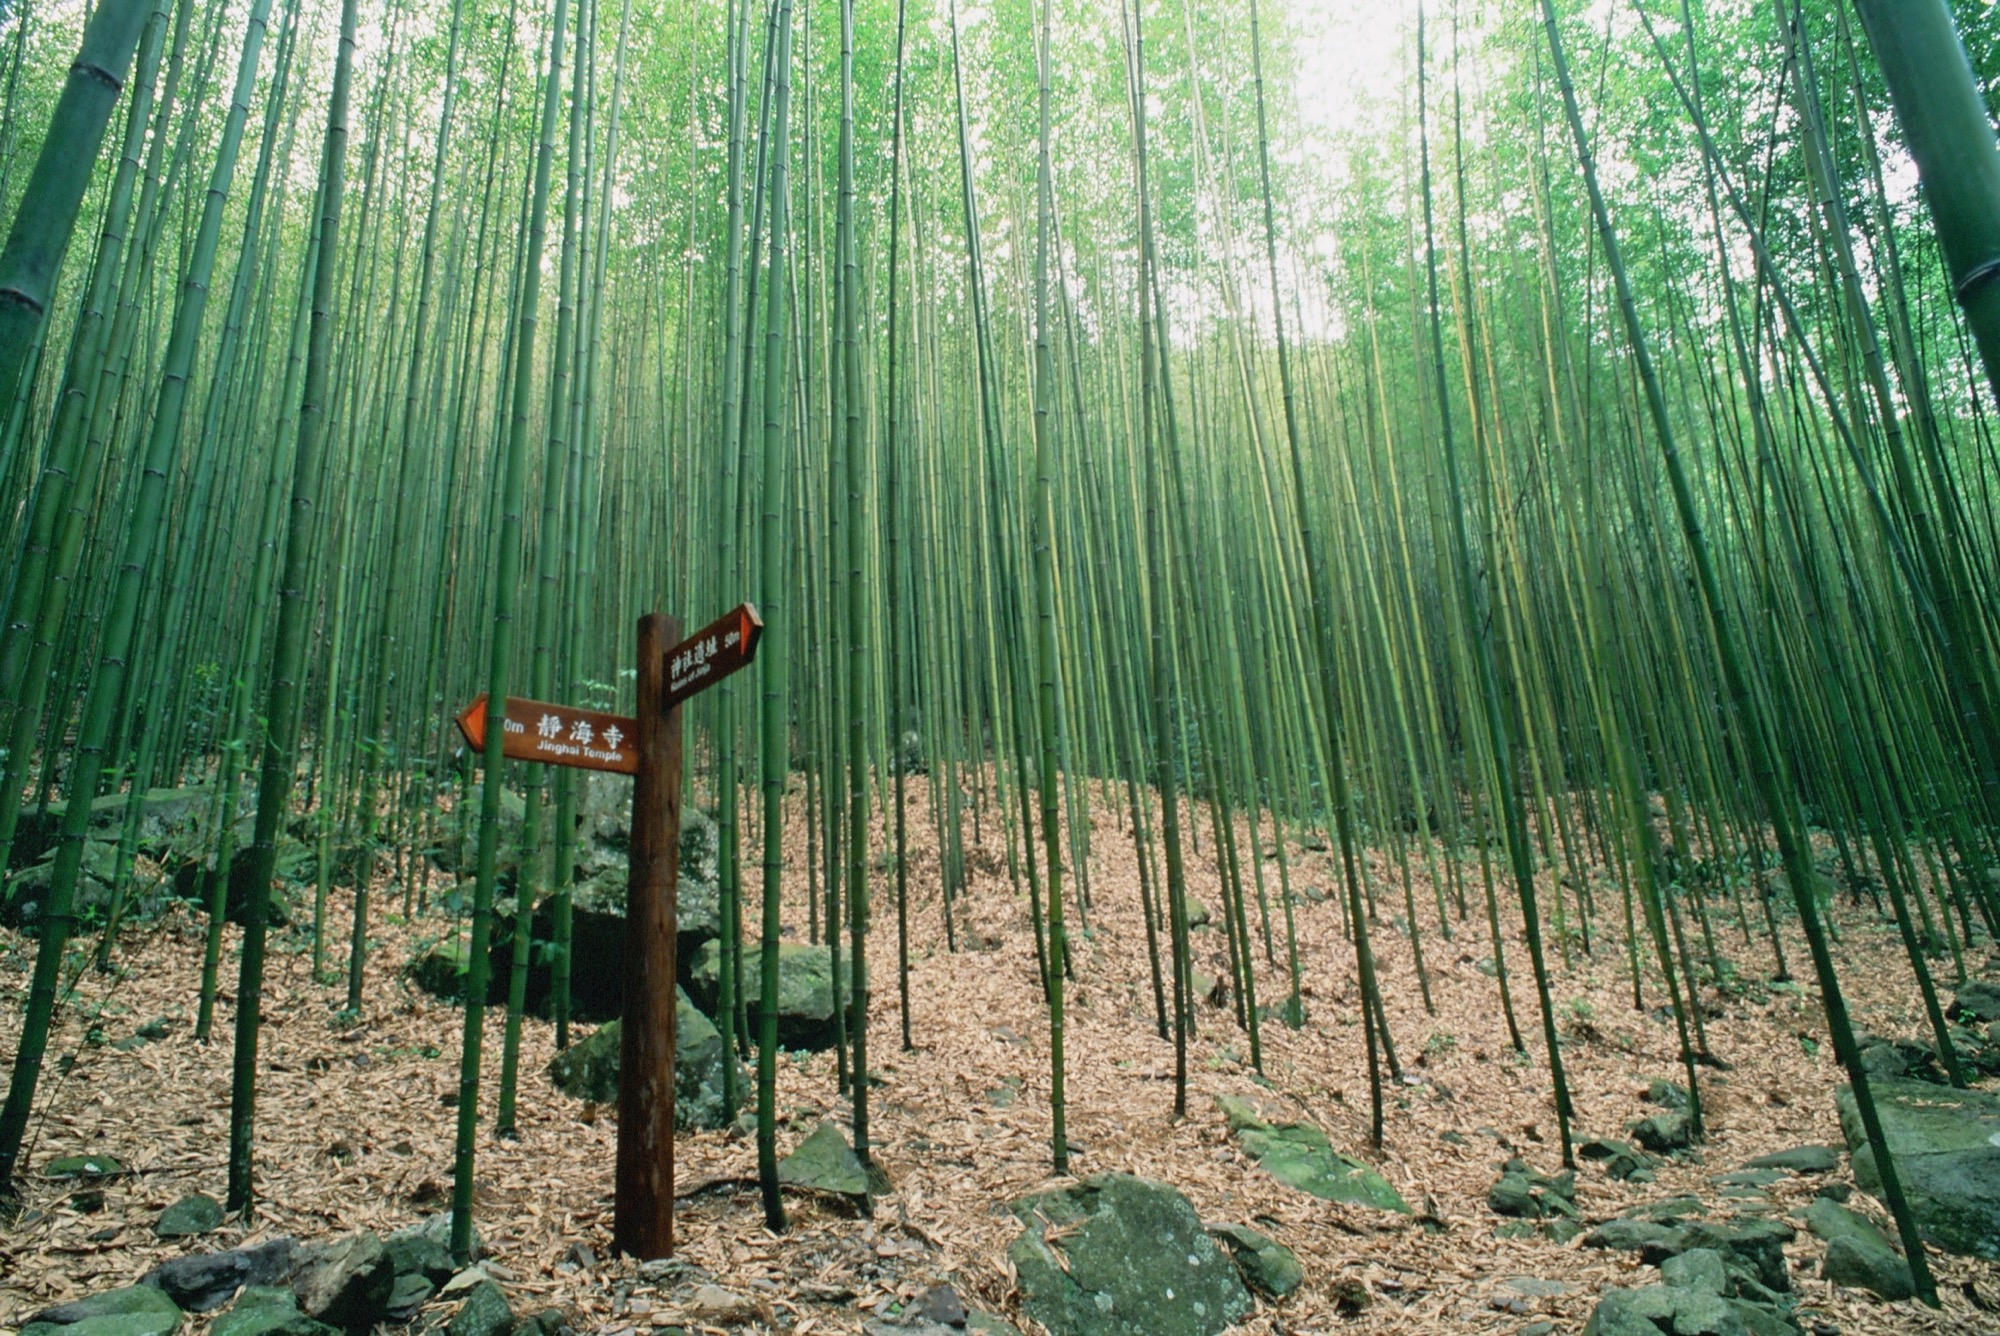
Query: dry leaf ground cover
{"points": [[355, 1129]]}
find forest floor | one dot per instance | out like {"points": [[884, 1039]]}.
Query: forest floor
{"points": [[355, 1131]]}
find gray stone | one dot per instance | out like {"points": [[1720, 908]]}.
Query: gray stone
{"points": [[1947, 1148], [805, 990], [1663, 1310], [939, 1304], [201, 1282], [1757, 1246], [484, 1313], [711, 1305], [826, 1163], [424, 1249], [191, 1215], [1134, 1261], [1858, 1254], [1300, 1156], [1799, 1160], [588, 1069], [268, 1310], [411, 1291], [1522, 1192], [1697, 1269], [1644, 1237], [1663, 1132], [1267, 1265], [990, 1324], [1667, 1095], [347, 1282], [1748, 1178]]}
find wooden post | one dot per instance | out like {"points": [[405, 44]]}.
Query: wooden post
{"points": [[644, 1221]]}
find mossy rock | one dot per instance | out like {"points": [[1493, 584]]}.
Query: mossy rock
{"points": [[1947, 1148], [1299, 1155], [589, 1069], [1115, 1255], [805, 990]]}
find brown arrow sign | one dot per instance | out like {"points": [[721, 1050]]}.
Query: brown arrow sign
{"points": [[712, 653], [557, 735]]}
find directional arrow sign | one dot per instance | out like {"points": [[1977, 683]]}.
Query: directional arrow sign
{"points": [[557, 735], [712, 653]]}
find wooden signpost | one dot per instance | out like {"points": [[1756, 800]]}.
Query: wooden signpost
{"points": [[648, 748]]}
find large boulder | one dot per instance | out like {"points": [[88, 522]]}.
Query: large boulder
{"points": [[1947, 1148], [346, 1283], [1857, 1253], [597, 917], [1116, 1255], [28, 889], [805, 990], [1300, 1156], [589, 1069]]}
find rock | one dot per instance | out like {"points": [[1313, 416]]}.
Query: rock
{"points": [[1977, 999], [1668, 1210], [424, 1249], [1300, 1156], [1197, 914], [1663, 1310], [346, 1283], [28, 889], [805, 990], [1603, 1149], [548, 1322], [191, 1215], [1754, 1245], [83, 1166], [1663, 1132], [411, 1292], [711, 1305], [1523, 1192], [939, 1304], [1799, 1160], [826, 1163], [1697, 1269], [268, 1310], [1748, 1178], [134, 1310], [597, 910], [201, 1282], [1650, 1240], [589, 1069], [1134, 1261], [1667, 1095], [1267, 1265], [1858, 1254], [989, 1324], [484, 1313], [440, 969], [1947, 1148]]}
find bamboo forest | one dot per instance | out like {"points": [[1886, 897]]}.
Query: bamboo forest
{"points": [[902, 667]]}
